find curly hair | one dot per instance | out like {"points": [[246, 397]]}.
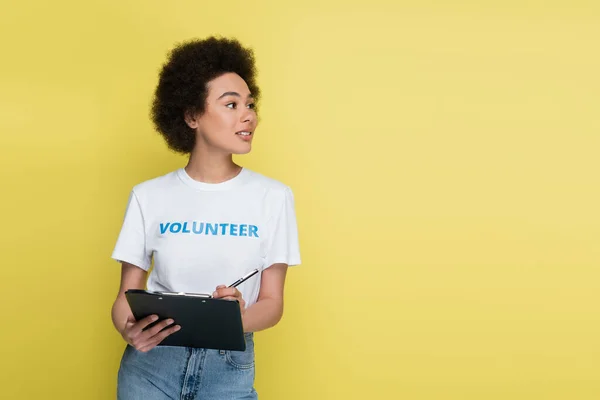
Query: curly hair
{"points": [[182, 85]]}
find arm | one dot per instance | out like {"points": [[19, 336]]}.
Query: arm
{"points": [[131, 330], [132, 277], [268, 309]]}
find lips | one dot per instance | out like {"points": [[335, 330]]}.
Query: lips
{"points": [[246, 136]]}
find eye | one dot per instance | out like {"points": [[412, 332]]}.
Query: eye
{"points": [[231, 105], [251, 106]]}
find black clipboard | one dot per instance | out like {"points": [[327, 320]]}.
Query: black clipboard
{"points": [[205, 322]]}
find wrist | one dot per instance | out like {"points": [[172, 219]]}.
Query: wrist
{"points": [[244, 321], [121, 326]]}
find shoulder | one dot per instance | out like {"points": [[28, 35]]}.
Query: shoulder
{"points": [[155, 185], [270, 186]]}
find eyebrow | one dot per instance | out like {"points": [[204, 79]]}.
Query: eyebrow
{"points": [[236, 94]]}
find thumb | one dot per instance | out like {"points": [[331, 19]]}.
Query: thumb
{"points": [[128, 324], [130, 320]]}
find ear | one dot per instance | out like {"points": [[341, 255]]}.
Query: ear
{"points": [[191, 118]]}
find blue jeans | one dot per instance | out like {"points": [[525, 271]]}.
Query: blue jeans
{"points": [[183, 373]]}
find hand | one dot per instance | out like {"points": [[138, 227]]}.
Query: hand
{"points": [[230, 293], [144, 341]]}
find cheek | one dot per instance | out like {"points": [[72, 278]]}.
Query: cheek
{"points": [[219, 125], [225, 122]]}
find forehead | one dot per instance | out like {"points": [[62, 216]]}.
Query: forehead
{"points": [[228, 82]]}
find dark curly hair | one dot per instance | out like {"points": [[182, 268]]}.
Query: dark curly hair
{"points": [[182, 84]]}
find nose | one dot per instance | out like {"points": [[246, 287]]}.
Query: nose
{"points": [[248, 116]]}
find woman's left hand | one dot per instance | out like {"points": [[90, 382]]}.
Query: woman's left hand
{"points": [[230, 293]]}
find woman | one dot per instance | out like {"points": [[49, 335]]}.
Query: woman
{"points": [[203, 226]]}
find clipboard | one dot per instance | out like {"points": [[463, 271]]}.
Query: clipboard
{"points": [[205, 322]]}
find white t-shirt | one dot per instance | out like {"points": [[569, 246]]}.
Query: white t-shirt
{"points": [[201, 235]]}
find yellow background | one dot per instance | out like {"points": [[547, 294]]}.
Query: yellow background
{"points": [[444, 158]]}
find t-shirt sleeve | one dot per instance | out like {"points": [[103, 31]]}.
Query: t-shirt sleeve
{"points": [[131, 243], [283, 246]]}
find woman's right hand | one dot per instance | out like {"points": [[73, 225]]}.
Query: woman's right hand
{"points": [[145, 340]]}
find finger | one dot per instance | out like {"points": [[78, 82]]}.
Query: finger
{"points": [[146, 337], [223, 292], [134, 334], [150, 333], [139, 326], [221, 286], [130, 321], [159, 338], [133, 331]]}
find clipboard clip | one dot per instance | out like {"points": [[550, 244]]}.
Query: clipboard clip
{"points": [[204, 295]]}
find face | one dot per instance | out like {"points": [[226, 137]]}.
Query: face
{"points": [[229, 119]]}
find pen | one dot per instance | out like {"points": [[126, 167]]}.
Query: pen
{"points": [[244, 278]]}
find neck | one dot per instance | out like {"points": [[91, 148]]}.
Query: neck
{"points": [[211, 167]]}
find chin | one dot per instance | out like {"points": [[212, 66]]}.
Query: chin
{"points": [[242, 150]]}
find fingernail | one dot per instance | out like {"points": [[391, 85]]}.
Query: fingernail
{"points": [[214, 294], [170, 321], [154, 317], [177, 327]]}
